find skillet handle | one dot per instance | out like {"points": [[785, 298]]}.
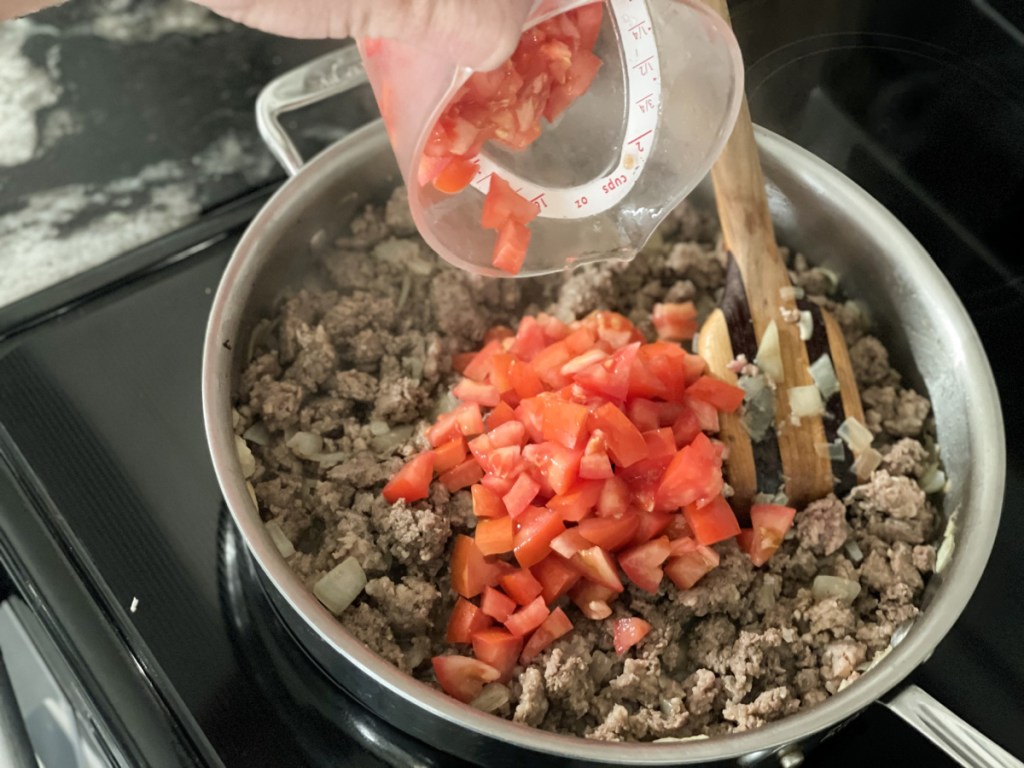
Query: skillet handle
{"points": [[328, 75], [962, 742]]}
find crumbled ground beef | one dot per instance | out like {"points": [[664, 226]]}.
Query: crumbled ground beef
{"points": [[367, 363]]}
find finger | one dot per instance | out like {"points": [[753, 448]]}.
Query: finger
{"points": [[13, 9], [475, 33]]}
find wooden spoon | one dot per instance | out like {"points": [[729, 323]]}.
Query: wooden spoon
{"points": [[754, 298]]}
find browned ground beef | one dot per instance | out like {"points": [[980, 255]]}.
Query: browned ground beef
{"points": [[364, 361]]}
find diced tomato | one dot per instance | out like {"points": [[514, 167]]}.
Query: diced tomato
{"points": [[693, 476], [725, 397], [598, 566], [524, 380], [625, 442], [499, 377], [614, 498], [462, 677], [556, 575], [430, 168], [449, 454], [503, 204], [610, 377], [660, 443], [524, 491], [642, 564], [651, 524], [596, 466], [446, 428], [498, 648], [678, 528], [480, 365], [558, 465], [461, 360], [585, 360], [610, 533], [471, 571], [706, 413], [509, 433], [554, 626], [529, 339], [527, 618], [769, 523], [497, 604], [466, 619], [521, 585], [494, 536], [713, 522], [412, 482], [612, 327], [548, 363], [501, 414], [581, 74], [592, 599], [486, 503], [686, 568], [645, 414], [569, 542], [686, 427], [675, 322], [531, 413], [510, 247], [456, 176], [554, 329], [629, 632], [578, 501], [499, 485], [565, 423], [462, 476], [533, 538]]}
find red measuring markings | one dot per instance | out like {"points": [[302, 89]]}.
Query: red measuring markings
{"points": [[640, 30], [645, 103], [646, 66], [638, 141], [539, 201]]}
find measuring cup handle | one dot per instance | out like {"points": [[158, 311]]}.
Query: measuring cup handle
{"points": [[329, 75], [960, 741]]}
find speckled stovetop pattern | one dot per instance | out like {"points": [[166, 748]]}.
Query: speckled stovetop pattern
{"points": [[122, 120]]}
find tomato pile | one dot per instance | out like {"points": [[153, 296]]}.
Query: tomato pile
{"points": [[553, 65], [586, 453]]}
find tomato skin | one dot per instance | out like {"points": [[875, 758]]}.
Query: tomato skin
{"points": [[521, 586], [471, 572], [629, 632], [533, 539], [642, 563], [494, 536], [722, 395], [694, 475], [462, 677], [450, 454], [556, 575], [465, 619], [626, 444], [713, 522], [555, 625], [499, 648], [527, 618], [412, 482]]}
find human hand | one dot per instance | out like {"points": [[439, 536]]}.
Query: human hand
{"points": [[476, 33]]}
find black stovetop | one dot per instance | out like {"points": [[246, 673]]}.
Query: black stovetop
{"points": [[107, 495]]}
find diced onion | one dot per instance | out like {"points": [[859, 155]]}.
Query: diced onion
{"points": [[844, 590], [252, 494], [805, 401], [338, 588], [245, 458], [769, 358], [492, 698], [933, 481], [378, 427], [806, 325], [758, 406], [824, 375], [866, 463], [281, 541], [404, 293], [236, 418], [791, 292], [833, 451], [856, 436], [329, 459], [305, 445], [854, 551], [257, 433]]}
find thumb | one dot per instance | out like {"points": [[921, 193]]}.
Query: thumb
{"points": [[479, 34]]}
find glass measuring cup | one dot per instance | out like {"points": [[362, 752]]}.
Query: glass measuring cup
{"points": [[608, 171]]}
